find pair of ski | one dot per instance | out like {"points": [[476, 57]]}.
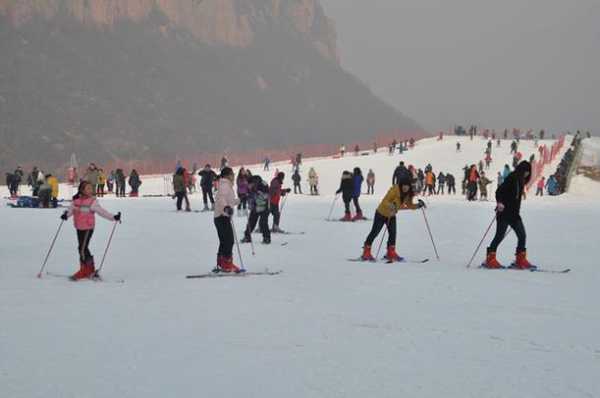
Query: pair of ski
{"points": [[533, 269], [220, 274], [402, 261], [95, 278], [348, 221]]}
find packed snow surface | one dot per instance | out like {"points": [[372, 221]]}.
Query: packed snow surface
{"points": [[325, 327]]}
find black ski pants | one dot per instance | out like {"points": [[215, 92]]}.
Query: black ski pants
{"points": [[243, 201], [207, 194], [181, 196], [225, 232], [83, 243], [262, 219], [370, 189], [378, 222], [356, 205], [297, 188], [502, 224], [276, 213]]}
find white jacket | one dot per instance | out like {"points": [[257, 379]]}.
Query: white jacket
{"points": [[225, 197]]}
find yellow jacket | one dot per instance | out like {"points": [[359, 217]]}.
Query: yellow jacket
{"points": [[101, 179], [392, 203], [53, 182]]}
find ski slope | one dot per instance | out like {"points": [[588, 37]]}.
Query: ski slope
{"points": [[325, 327]]}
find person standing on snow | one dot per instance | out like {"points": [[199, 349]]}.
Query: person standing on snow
{"points": [[296, 180], [398, 197], [508, 208], [242, 192], [540, 186], [276, 191], [357, 180], [347, 190], [224, 204], [134, 183], [179, 187], [207, 178], [441, 183], [258, 202], [473, 179], [483, 183], [313, 181], [83, 208], [370, 182], [401, 172], [451, 182]]}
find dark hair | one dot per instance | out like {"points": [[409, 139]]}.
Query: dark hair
{"points": [[280, 175], [80, 189], [227, 171]]}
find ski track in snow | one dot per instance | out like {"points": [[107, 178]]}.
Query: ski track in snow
{"points": [[325, 327]]}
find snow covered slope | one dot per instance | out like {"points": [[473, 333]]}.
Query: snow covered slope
{"points": [[325, 327]]}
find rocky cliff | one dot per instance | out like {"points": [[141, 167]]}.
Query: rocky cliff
{"points": [[152, 79]]}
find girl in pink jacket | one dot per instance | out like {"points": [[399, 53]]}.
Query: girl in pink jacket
{"points": [[225, 201], [83, 209]]}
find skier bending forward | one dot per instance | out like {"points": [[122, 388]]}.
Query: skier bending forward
{"points": [[399, 197], [508, 208]]}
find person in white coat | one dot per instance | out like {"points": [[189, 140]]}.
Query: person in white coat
{"points": [[225, 202]]}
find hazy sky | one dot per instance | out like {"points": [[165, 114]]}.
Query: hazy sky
{"points": [[510, 63]]}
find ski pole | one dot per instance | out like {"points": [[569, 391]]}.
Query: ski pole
{"points": [[482, 239], [39, 275], [430, 234], [237, 243], [107, 246], [387, 226], [283, 203], [251, 241], [332, 206]]}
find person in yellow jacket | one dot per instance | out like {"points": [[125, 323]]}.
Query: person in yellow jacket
{"points": [[399, 197], [101, 183], [53, 182]]}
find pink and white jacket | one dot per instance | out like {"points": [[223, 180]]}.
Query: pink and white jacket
{"points": [[83, 211], [225, 197]]}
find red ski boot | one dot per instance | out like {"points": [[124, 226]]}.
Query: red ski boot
{"points": [[347, 217], [227, 265], [86, 270], [491, 262], [367, 256], [521, 261], [391, 254], [358, 216]]}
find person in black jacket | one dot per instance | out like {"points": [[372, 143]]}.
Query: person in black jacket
{"points": [[258, 202], [508, 198], [401, 173], [347, 191], [207, 178]]}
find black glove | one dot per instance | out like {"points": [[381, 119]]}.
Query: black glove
{"points": [[421, 204], [228, 210], [288, 190], [117, 217], [64, 216]]}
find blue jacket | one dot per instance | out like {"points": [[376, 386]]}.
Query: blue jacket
{"points": [[357, 181]]}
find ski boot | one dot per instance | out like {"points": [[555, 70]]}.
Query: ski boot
{"points": [[392, 256], [266, 241], [490, 261], [358, 216], [86, 270], [521, 261], [347, 217], [227, 265], [246, 239], [205, 208], [367, 256]]}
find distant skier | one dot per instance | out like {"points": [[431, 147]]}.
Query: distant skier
{"points": [[266, 162], [342, 150], [276, 191], [370, 182], [451, 183], [120, 183], [540, 186], [313, 181], [508, 208], [401, 172], [473, 179], [180, 189], [258, 203], [83, 208], [296, 178], [207, 179], [458, 146], [134, 183], [441, 183], [224, 204], [399, 197], [347, 190], [242, 192], [357, 180], [483, 183]]}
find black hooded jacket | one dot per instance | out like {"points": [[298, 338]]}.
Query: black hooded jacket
{"points": [[510, 192]]}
